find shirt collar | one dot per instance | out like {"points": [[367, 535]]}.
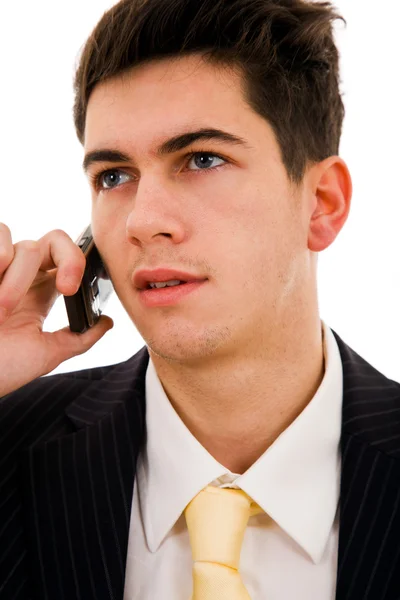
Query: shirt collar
{"points": [[296, 480]]}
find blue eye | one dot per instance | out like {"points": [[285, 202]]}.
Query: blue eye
{"points": [[207, 156], [113, 175]]}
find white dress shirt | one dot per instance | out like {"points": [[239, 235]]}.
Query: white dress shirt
{"points": [[288, 552]]}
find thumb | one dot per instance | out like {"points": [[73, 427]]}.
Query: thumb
{"points": [[67, 344]]}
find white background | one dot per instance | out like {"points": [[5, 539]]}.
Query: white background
{"points": [[43, 187]]}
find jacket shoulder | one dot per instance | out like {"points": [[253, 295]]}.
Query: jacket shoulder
{"points": [[38, 407]]}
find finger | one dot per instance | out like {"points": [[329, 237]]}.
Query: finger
{"points": [[6, 249], [20, 274], [64, 344], [61, 252]]}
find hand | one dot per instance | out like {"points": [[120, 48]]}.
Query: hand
{"points": [[33, 274]]}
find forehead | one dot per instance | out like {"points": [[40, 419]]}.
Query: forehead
{"points": [[164, 93]]}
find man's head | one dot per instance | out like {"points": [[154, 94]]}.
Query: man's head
{"points": [[250, 221]]}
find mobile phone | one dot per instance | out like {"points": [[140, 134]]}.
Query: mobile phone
{"points": [[86, 306]]}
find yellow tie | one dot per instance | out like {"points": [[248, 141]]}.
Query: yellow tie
{"points": [[216, 520]]}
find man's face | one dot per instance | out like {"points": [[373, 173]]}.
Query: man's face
{"points": [[229, 214]]}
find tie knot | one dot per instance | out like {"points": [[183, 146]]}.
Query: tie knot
{"points": [[216, 519]]}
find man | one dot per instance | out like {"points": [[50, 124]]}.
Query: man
{"points": [[211, 134]]}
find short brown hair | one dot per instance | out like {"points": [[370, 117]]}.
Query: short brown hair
{"points": [[284, 50]]}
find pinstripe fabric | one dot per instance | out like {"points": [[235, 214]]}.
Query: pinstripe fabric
{"points": [[68, 449]]}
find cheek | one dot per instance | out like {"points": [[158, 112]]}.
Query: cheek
{"points": [[105, 216], [260, 246], [108, 222], [109, 242]]}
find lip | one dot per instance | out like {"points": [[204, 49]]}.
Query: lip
{"points": [[168, 296], [142, 278]]}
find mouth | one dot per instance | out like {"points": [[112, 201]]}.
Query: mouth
{"points": [[168, 295], [151, 286], [143, 278]]}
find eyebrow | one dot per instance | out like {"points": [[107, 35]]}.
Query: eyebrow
{"points": [[174, 144]]}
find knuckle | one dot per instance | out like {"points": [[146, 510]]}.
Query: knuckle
{"points": [[4, 227], [59, 232], [28, 245], [6, 255], [54, 235]]}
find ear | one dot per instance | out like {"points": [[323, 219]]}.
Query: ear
{"points": [[330, 192]]}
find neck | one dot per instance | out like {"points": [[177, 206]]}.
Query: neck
{"points": [[237, 406]]}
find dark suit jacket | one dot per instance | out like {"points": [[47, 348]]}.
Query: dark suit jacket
{"points": [[68, 449]]}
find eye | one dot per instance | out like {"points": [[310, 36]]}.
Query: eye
{"points": [[203, 160], [113, 176]]}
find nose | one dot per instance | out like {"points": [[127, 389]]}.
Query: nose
{"points": [[155, 212]]}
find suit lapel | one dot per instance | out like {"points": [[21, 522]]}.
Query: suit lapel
{"points": [[79, 489], [369, 548]]}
